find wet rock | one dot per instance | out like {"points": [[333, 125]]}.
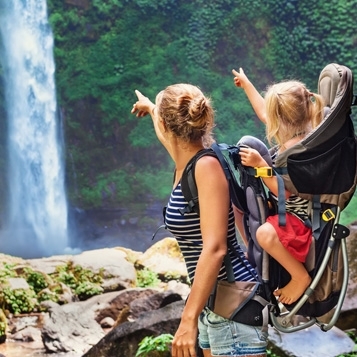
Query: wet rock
{"points": [[179, 288], [107, 322], [28, 334], [110, 262], [70, 328], [126, 337], [312, 342], [18, 283], [111, 304], [153, 302]]}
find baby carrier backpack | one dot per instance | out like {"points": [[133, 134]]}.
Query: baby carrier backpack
{"points": [[321, 168]]}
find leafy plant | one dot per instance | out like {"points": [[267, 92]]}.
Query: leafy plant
{"points": [[87, 289], [46, 295], [36, 280], [150, 344], [173, 275], [83, 282], [6, 271], [270, 353], [18, 300], [348, 215], [3, 323], [146, 278]]}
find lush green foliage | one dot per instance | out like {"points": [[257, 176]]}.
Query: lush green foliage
{"points": [[104, 50], [18, 300], [82, 282], [308, 35], [107, 50], [6, 271], [3, 323], [348, 215], [37, 280], [146, 278], [149, 344]]}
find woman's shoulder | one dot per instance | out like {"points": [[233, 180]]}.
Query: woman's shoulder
{"points": [[210, 171], [207, 162], [209, 166]]}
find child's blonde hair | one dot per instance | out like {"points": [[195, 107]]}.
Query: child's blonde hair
{"points": [[292, 110]]}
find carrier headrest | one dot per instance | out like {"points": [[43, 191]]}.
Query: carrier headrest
{"points": [[329, 80], [258, 145]]}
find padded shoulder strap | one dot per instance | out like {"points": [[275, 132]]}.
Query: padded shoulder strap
{"points": [[188, 183], [236, 192]]}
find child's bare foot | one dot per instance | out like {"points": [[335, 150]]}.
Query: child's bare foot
{"points": [[293, 290]]}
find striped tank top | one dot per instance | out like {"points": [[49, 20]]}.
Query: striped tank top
{"points": [[186, 229]]}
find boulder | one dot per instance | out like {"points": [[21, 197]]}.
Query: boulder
{"points": [[117, 270], [165, 259], [312, 342], [126, 336], [77, 326], [70, 328]]}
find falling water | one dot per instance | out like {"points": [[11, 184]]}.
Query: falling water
{"points": [[36, 222]]}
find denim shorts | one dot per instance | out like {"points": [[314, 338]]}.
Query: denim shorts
{"points": [[229, 338]]}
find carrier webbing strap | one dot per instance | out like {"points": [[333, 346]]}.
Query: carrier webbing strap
{"points": [[188, 183], [222, 161], [315, 217], [236, 192], [229, 266], [281, 199], [316, 204], [281, 191]]}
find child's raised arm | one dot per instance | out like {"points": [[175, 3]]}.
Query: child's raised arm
{"points": [[255, 98]]}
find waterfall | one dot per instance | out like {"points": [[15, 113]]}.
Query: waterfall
{"points": [[36, 219]]}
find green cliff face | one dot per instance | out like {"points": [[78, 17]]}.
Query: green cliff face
{"points": [[104, 50]]}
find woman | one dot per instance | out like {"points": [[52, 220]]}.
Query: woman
{"points": [[183, 120]]}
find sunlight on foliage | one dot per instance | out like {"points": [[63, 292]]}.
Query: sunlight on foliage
{"points": [[146, 278], [149, 344]]}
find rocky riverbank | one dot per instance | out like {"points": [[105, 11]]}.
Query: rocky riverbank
{"points": [[124, 312], [73, 324]]}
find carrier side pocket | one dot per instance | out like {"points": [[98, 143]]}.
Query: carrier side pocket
{"points": [[240, 301]]}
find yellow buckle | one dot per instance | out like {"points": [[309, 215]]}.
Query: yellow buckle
{"points": [[328, 215], [263, 171]]}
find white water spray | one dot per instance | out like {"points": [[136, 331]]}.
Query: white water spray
{"points": [[36, 223]]}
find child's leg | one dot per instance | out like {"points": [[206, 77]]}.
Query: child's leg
{"points": [[300, 279]]}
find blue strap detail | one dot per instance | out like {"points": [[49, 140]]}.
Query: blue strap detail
{"points": [[281, 199]]}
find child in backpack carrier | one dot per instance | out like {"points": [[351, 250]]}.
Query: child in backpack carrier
{"points": [[290, 111]]}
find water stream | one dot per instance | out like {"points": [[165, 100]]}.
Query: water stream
{"points": [[36, 220]]}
